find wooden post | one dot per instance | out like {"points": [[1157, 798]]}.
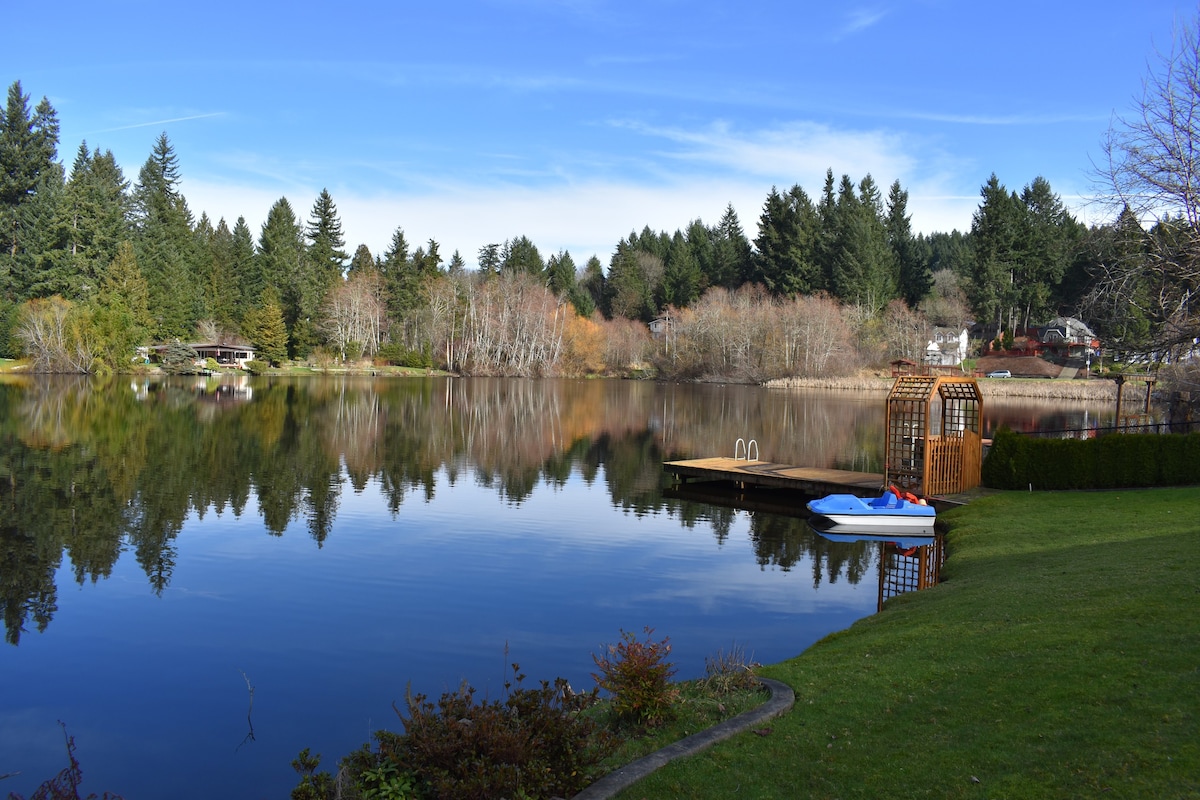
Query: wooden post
{"points": [[1120, 379]]}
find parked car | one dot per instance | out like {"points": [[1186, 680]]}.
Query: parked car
{"points": [[999, 373]]}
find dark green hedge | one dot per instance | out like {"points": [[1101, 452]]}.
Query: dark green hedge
{"points": [[1110, 462]]}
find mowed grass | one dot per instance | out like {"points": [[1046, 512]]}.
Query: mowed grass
{"points": [[1060, 657]]}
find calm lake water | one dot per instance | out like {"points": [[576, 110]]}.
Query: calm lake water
{"points": [[199, 579]]}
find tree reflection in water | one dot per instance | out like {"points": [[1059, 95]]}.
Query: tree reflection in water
{"points": [[90, 468]]}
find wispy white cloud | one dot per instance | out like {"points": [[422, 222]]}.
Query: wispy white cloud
{"points": [[861, 19], [795, 152], [157, 122], [999, 120]]}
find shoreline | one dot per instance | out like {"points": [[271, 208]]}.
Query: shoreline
{"points": [[1037, 389]]}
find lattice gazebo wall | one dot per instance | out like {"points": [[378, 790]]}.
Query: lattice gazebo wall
{"points": [[933, 427]]}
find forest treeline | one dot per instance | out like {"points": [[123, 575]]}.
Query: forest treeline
{"points": [[94, 265]]}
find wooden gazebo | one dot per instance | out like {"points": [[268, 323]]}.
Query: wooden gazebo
{"points": [[933, 427]]}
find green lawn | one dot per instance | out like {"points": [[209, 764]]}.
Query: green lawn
{"points": [[1060, 657]]}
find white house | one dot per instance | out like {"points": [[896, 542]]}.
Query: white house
{"points": [[946, 348]]}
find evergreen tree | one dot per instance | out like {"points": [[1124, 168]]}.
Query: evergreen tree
{"points": [[489, 260], [731, 257], [996, 230], [287, 270], [394, 267], [952, 251], [593, 285], [787, 244], [1050, 241], [326, 241], [28, 150], [521, 255], [828, 215], [429, 264], [122, 319], [220, 286], [264, 326], [165, 243], [203, 234], [700, 242], [864, 266], [560, 274], [915, 277], [681, 274], [42, 266], [362, 261], [630, 286], [456, 266], [656, 244], [95, 218], [401, 277], [246, 270]]}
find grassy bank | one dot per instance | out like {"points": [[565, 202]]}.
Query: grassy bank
{"points": [[1060, 658]]}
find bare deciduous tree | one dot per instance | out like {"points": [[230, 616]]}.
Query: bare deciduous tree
{"points": [[1151, 171], [354, 313], [55, 336]]}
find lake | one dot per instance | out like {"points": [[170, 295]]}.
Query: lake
{"points": [[200, 578]]}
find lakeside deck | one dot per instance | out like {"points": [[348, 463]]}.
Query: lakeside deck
{"points": [[808, 480]]}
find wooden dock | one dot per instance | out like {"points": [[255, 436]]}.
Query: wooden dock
{"points": [[812, 481]]}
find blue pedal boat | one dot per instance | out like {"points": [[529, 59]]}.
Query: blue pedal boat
{"points": [[890, 511]]}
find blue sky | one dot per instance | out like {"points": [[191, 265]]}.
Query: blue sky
{"points": [[574, 122]]}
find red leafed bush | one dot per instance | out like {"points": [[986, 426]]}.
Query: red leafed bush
{"points": [[638, 676]]}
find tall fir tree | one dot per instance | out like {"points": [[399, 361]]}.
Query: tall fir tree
{"points": [[489, 260], [700, 241], [681, 274], [996, 230], [95, 218], [42, 266], [560, 274], [362, 261], [220, 287], [593, 284], [864, 266], [521, 255], [786, 247], [1051, 239], [914, 276], [630, 288], [28, 166], [731, 257], [399, 277], [246, 271], [288, 271], [165, 246], [326, 241]]}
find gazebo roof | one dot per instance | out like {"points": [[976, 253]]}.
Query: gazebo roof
{"points": [[924, 387]]}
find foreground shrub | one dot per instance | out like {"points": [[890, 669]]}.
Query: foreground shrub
{"points": [[638, 676], [535, 743]]}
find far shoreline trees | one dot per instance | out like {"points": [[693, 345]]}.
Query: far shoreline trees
{"points": [[91, 267]]}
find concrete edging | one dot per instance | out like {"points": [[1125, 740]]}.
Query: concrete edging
{"points": [[782, 698]]}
